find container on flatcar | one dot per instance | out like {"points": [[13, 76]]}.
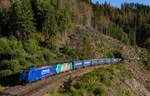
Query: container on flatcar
{"points": [[77, 64], [101, 61], [57, 67], [120, 59], [65, 67], [97, 62], [114, 60], [94, 62], [86, 63], [108, 60]]}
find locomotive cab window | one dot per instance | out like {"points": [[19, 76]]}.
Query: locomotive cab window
{"points": [[24, 71]]}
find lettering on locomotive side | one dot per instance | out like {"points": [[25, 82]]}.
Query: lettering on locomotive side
{"points": [[87, 62], [78, 63], [45, 71]]}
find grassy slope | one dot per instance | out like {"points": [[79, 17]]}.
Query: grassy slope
{"points": [[116, 80], [104, 81]]}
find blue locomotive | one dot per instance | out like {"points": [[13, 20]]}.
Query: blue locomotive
{"points": [[33, 74]]}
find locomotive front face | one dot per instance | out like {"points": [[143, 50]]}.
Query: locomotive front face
{"points": [[24, 74]]}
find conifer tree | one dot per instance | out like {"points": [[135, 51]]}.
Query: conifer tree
{"points": [[50, 28], [64, 19], [22, 18]]}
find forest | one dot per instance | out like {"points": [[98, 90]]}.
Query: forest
{"points": [[31, 30]]}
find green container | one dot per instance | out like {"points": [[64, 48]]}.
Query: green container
{"points": [[58, 68], [70, 65]]}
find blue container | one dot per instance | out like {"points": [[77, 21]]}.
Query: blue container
{"points": [[101, 61], [33, 74], [108, 60], [87, 63], [94, 62], [77, 64], [97, 61]]}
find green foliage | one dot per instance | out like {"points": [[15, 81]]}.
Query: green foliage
{"points": [[14, 65], [110, 54], [86, 49], [94, 83], [22, 21], [48, 56], [11, 51], [99, 91], [70, 52], [2, 88], [125, 73], [126, 24], [145, 63], [147, 43], [49, 16], [126, 93], [117, 33], [14, 56], [50, 28], [64, 17], [113, 54], [4, 73], [31, 46]]}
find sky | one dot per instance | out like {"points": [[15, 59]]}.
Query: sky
{"points": [[117, 3]]}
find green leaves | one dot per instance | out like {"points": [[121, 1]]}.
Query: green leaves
{"points": [[31, 46], [22, 18]]}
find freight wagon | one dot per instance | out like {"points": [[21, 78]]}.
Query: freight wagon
{"points": [[63, 67], [77, 64], [66, 67], [86, 63]]}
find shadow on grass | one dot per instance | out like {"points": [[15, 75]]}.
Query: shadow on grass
{"points": [[11, 80]]}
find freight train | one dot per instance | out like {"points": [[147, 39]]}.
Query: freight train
{"points": [[33, 74]]}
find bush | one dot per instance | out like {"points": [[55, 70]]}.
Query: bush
{"points": [[70, 52], [110, 54], [105, 80], [12, 55], [31, 46], [4, 73], [14, 65], [99, 91], [48, 56]]}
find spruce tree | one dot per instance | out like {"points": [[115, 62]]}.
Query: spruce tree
{"points": [[50, 28], [64, 17], [22, 18]]}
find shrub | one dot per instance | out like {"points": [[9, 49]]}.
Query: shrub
{"points": [[4, 73], [70, 52], [110, 54], [99, 91], [48, 56], [14, 65], [105, 80], [31, 46]]}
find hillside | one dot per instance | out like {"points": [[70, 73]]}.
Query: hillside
{"points": [[122, 79], [37, 32]]}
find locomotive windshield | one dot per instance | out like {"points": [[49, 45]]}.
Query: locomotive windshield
{"points": [[25, 71]]}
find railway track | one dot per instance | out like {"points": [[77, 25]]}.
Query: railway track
{"points": [[41, 87]]}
